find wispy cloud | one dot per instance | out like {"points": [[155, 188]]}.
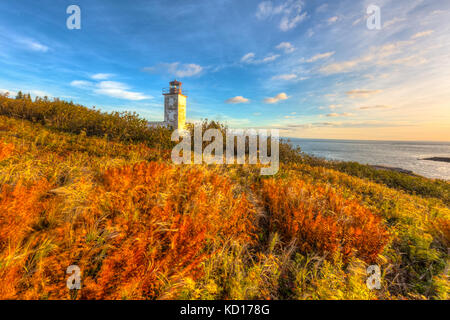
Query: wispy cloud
{"points": [[277, 98], [249, 58], [112, 89], [118, 90], [10, 92], [287, 47], [361, 93], [291, 13], [375, 107], [357, 21], [393, 21], [422, 34], [34, 45], [236, 100], [286, 77], [321, 56], [290, 23], [322, 8], [344, 114], [33, 92], [377, 55], [270, 58], [102, 76], [333, 19], [334, 106], [176, 69], [81, 84], [346, 124]]}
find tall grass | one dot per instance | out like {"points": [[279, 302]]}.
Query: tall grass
{"points": [[141, 228]]}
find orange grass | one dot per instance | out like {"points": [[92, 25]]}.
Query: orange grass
{"points": [[6, 149], [146, 228], [323, 221]]}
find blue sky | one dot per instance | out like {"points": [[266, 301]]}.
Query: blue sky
{"points": [[309, 68]]}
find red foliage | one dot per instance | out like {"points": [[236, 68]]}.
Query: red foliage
{"points": [[21, 208], [143, 227], [168, 222], [6, 149], [323, 221]]}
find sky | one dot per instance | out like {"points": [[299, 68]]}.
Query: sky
{"points": [[312, 69]]}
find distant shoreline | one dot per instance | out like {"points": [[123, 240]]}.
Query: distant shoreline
{"points": [[401, 170], [440, 159]]}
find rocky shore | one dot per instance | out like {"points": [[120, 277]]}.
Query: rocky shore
{"points": [[440, 159]]}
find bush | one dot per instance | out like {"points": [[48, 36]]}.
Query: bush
{"points": [[69, 117], [141, 232], [412, 184], [320, 220]]}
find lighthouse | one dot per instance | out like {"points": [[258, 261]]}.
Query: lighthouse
{"points": [[175, 105]]}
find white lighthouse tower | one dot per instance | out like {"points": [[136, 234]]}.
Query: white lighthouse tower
{"points": [[174, 105]]}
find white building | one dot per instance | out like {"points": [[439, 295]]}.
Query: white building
{"points": [[174, 107]]}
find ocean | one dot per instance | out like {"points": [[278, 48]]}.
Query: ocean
{"points": [[400, 154]]}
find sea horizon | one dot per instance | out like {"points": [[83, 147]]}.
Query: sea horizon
{"points": [[408, 155], [366, 140]]}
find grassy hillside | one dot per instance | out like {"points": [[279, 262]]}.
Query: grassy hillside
{"points": [[79, 190]]}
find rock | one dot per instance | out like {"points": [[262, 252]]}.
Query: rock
{"points": [[441, 159]]}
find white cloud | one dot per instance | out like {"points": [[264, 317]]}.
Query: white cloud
{"points": [[176, 69], [270, 58], [322, 8], [286, 46], [345, 114], [437, 12], [265, 10], [40, 93], [236, 100], [33, 93], [285, 77], [357, 21], [334, 106], [291, 13], [321, 56], [248, 57], [187, 70], [375, 107], [377, 56], [277, 98], [422, 34], [102, 76], [362, 93], [287, 23], [333, 19], [11, 92], [389, 23], [110, 88], [81, 84], [34, 45], [118, 90]]}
